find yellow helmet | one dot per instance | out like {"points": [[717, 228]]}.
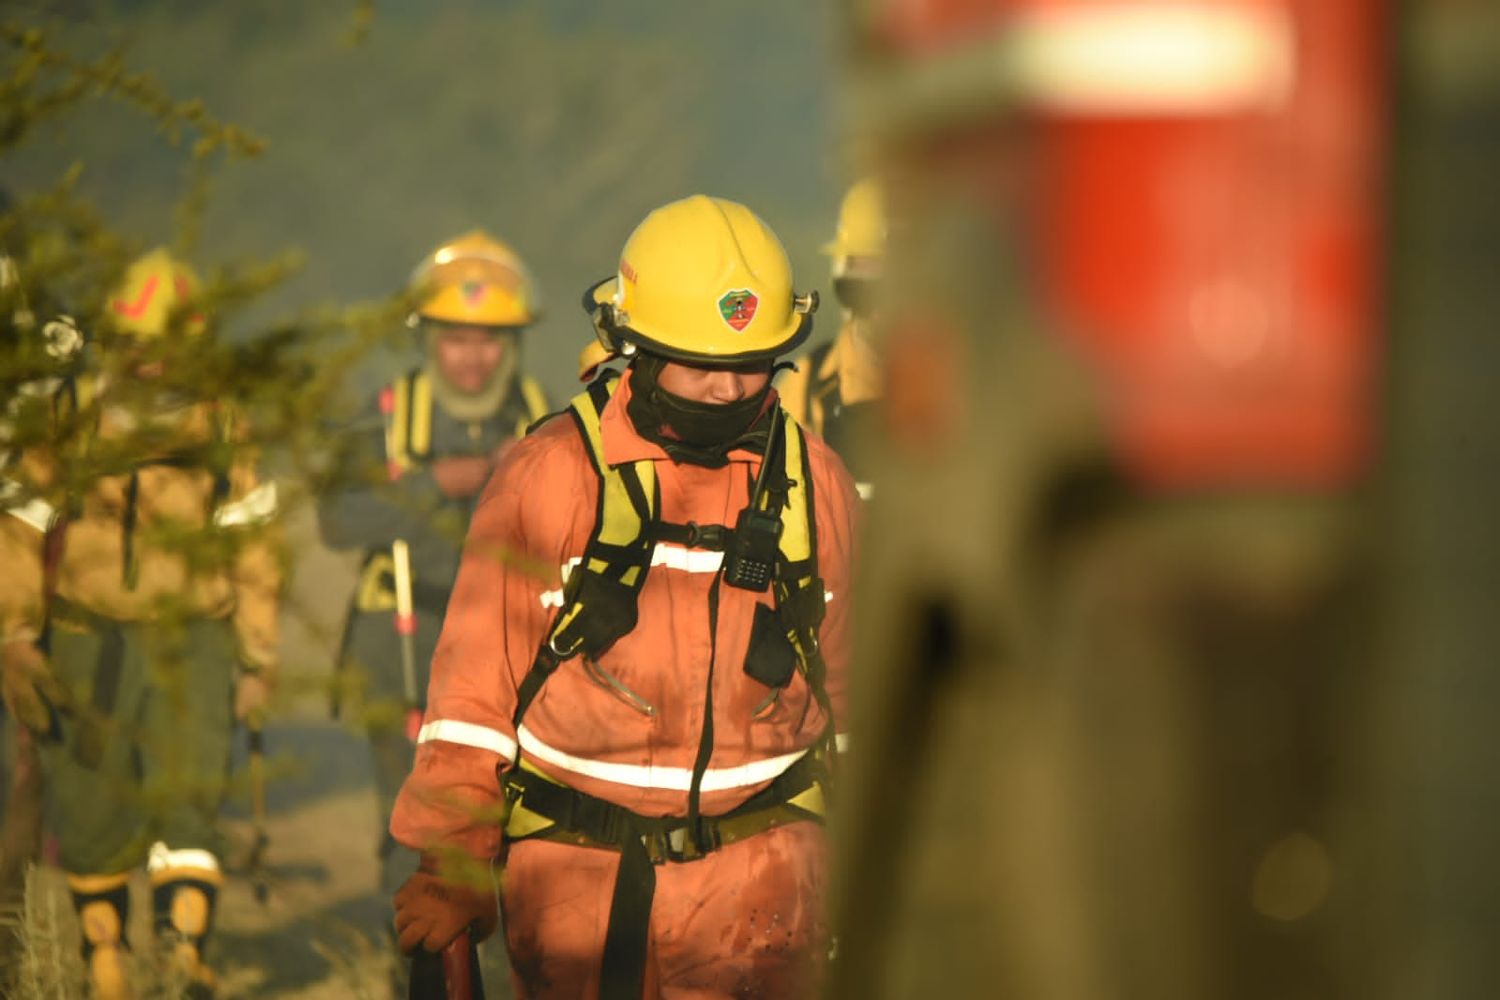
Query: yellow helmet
{"points": [[702, 279], [476, 280], [154, 290], [858, 245]]}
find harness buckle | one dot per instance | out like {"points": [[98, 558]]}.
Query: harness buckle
{"points": [[677, 844], [658, 846], [705, 536]]}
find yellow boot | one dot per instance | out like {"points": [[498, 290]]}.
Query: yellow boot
{"points": [[103, 905], [185, 885]]}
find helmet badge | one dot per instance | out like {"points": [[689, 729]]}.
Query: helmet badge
{"points": [[737, 307], [473, 292]]}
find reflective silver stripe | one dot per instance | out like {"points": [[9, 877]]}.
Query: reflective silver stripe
{"points": [[554, 598], [163, 858], [667, 556], [841, 742], [677, 779], [468, 734], [865, 490], [685, 559], [36, 512], [256, 507]]}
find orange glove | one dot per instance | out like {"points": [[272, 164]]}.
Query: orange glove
{"points": [[431, 911]]}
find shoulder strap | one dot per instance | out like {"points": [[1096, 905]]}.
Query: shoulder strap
{"points": [[419, 432], [798, 587], [799, 542], [395, 403], [534, 397], [529, 405], [818, 388], [406, 407], [599, 597], [83, 390], [226, 426]]}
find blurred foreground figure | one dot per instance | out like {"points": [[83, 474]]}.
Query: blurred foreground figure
{"points": [[634, 698], [1115, 616], [39, 352], [832, 391], [139, 613], [422, 452]]}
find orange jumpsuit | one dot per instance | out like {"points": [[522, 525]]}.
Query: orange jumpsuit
{"points": [[745, 920]]}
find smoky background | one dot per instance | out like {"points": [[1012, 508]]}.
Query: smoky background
{"points": [[1110, 746]]}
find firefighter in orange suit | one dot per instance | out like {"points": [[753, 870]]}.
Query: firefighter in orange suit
{"points": [[638, 692]]}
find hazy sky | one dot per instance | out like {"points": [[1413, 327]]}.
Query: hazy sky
{"points": [[556, 125]]}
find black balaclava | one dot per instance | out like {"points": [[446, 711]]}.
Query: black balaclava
{"points": [[697, 433]]}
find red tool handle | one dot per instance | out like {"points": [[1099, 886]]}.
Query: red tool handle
{"points": [[456, 968]]}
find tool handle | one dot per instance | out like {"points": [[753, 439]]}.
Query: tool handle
{"points": [[452, 974], [457, 968], [406, 628], [255, 738], [257, 743]]}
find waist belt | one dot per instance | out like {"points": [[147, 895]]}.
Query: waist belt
{"points": [[540, 808], [377, 588], [78, 618]]}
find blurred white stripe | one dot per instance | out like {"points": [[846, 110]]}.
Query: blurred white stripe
{"points": [[468, 734], [162, 858], [36, 512], [1158, 58]]}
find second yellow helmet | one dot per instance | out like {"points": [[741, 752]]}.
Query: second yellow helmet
{"points": [[476, 280], [859, 241]]}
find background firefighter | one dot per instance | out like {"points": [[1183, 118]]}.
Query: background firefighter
{"points": [[661, 726], [141, 603], [833, 389], [421, 453]]}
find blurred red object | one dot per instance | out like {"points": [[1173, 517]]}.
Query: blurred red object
{"points": [[1204, 210]]}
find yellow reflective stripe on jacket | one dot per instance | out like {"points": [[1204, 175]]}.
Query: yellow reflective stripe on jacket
{"points": [[620, 523], [397, 450]]}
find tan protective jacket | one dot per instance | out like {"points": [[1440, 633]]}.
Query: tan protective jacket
{"points": [[192, 542], [848, 365]]}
